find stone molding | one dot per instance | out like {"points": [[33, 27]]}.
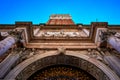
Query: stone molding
{"points": [[28, 67]]}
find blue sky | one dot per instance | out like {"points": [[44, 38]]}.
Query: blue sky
{"points": [[38, 11]]}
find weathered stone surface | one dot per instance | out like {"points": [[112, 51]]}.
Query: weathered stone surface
{"points": [[40, 61]]}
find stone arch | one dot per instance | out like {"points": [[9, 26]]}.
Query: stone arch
{"points": [[97, 69]]}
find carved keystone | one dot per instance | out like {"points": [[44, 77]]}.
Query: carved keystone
{"points": [[61, 50]]}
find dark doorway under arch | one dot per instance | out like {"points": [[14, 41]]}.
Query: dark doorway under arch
{"points": [[61, 72]]}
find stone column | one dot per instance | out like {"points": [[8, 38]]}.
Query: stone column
{"points": [[6, 44], [14, 37], [114, 42]]}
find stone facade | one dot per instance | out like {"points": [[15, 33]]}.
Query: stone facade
{"points": [[60, 43]]}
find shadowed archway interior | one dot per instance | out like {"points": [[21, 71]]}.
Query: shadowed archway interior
{"points": [[61, 72], [45, 63]]}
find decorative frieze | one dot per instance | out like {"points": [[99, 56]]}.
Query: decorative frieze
{"points": [[56, 60], [65, 16]]}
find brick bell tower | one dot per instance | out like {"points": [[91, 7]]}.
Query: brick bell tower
{"points": [[60, 19]]}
